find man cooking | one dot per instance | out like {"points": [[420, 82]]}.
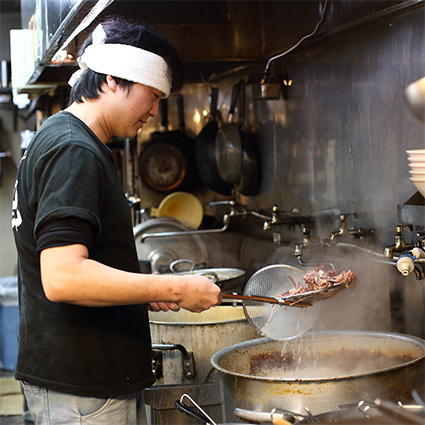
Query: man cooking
{"points": [[84, 341]]}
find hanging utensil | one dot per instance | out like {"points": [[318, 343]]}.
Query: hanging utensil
{"points": [[205, 151], [228, 145], [167, 161], [162, 164], [192, 181], [249, 182]]}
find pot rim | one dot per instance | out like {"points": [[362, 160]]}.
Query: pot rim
{"points": [[259, 341], [198, 323], [220, 270]]}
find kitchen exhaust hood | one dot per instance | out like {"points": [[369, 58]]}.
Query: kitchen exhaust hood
{"points": [[212, 37]]}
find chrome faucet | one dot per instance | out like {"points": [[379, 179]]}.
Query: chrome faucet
{"points": [[400, 244], [344, 231], [233, 212], [226, 223], [343, 228], [308, 242], [305, 242], [275, 219]]}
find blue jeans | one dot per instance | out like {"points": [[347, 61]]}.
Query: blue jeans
{"points": [[49, 407]]}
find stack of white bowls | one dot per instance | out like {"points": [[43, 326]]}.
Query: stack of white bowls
{"points": [[417, 168]]}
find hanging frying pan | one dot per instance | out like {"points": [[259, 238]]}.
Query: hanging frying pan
{"points": [[249, 182], [228, 145], [192, 180], [205, 151], [166, 162]]}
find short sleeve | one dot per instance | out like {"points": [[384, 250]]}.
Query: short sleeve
{"points": [[70, 183]]}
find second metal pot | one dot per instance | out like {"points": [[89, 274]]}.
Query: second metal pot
{"points": [[202, 335], [264, 374]]}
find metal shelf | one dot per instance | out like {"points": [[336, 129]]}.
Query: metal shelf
{"points": [[45, 71]]}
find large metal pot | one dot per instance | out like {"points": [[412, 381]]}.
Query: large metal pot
{"points": [[321, 370], [201, 335]]}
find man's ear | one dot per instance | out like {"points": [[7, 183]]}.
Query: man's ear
{"points": [[112, 84]]}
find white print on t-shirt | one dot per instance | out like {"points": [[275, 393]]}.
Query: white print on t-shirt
{"points": [[16, 215]]}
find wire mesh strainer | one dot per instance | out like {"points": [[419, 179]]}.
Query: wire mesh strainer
{"points": [[277, 321]]}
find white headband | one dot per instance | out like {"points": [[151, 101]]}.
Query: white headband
{"points": [[126, 62]]}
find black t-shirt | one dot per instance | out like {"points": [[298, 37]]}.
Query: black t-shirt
{"points": [[67, 172]]}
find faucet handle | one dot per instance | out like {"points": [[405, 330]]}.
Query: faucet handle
{"points": [[344, 216], [275, 213], [401, 226], [306, 230]]}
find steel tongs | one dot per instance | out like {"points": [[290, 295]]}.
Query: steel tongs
{"points": [[198, 414]]}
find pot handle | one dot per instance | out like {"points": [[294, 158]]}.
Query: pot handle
{"points": [[177, 262], [233, 100], [213, 277], [188, 361], [213, 102], [163, 106]]}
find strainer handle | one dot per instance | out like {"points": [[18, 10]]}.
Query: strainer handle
{"points": [[263, 299]]}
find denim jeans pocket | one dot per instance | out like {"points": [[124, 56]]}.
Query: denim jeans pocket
{"points": [[88, 406]]}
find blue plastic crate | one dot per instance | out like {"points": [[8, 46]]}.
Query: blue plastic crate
{"points": [[9, 322], [9, 335]]}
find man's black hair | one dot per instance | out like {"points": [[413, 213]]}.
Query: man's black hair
{"points": [[122, 31]]}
